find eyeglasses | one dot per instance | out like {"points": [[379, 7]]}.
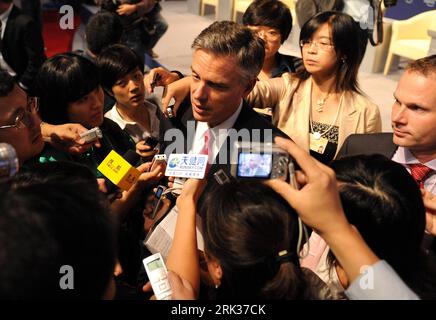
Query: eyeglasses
{"points": [[323, 45], [24, 116]]}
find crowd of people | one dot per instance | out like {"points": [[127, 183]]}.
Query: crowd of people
{"points": [[363, 200]]}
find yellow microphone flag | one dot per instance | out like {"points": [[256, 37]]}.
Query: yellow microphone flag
{"points": [[119, 171]]}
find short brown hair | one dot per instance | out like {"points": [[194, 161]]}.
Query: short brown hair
{"points": [[227, 38], [425, 66]]}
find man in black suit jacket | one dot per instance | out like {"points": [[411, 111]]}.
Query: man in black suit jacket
{"points": [[376, 143], [226, 61], [22, 45], [413, 118], [413, 140]]}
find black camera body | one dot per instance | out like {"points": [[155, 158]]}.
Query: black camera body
{"points": [[255, 160]]}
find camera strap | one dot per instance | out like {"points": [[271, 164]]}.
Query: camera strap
{"points": [[377, 18]]}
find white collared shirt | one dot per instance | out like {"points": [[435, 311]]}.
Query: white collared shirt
{"points": [[4, 19], [217, 135], [134, 129], [405, 157]]}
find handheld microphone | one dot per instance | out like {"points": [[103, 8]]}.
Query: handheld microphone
{"points": [[120, 170], [8, 161]]}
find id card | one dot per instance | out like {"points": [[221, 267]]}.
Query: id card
{"points": [[317, 145], [187, 165]]}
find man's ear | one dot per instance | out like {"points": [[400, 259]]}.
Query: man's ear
{"points": [[250, 85]]}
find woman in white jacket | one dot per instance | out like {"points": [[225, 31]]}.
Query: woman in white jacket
{"points": [[322, 104]]}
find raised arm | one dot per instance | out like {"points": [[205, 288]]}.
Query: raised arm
{"points": [[183, 256], [267, 93]]}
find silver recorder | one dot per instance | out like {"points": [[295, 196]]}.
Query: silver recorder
{"points": [[255, 160], [91, 135]]}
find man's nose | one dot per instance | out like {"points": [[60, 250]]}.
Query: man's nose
{"points": [[200, 91], [398, 114]]}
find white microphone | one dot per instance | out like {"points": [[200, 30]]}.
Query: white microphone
{"points": [[8, 161]]}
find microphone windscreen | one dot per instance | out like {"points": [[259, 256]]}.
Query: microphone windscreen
{"points": [[8, 160]]}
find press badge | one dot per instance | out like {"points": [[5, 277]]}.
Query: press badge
{"points": [[318, 145], [186, 165]]}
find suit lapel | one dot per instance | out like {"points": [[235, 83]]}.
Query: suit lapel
{"points": [[301, 103], [348, 118]]}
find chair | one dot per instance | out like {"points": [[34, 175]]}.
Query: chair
{"points": [[240, 6], [213, 3], [410, 38]]}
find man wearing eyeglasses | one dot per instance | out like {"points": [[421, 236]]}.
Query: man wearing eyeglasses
{"points": [[20, 125], [19, 121], [413, 140]]}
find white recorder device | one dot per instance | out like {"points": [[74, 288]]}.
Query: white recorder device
{"points": [[91, 135], [157, 274], [157, 159]]}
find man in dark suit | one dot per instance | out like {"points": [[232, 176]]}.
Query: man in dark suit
{"points": [[226, 61], [413, 120], [22, 46], [413, 141]]}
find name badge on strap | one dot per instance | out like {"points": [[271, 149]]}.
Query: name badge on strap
{"points": [[317, 143]]}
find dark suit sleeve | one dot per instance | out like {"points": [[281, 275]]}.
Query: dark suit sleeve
{"points": [[343, 152], [370, 143], [34, 48]]}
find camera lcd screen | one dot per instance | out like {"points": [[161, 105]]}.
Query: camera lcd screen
{"points": [[254, 165]]}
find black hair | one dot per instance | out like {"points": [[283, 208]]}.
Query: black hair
{"points": [[7, 83], [110, 5], [116, 62], [270, 13], [45, 226], [63, 79], [102, 30], [245, 226], [55, 171], [347, 43], [381, 199]]}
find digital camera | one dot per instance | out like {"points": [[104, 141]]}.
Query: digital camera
{"points": [[254, 160]]}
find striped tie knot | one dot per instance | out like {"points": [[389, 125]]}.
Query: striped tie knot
{"points": [[420, 172]]}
